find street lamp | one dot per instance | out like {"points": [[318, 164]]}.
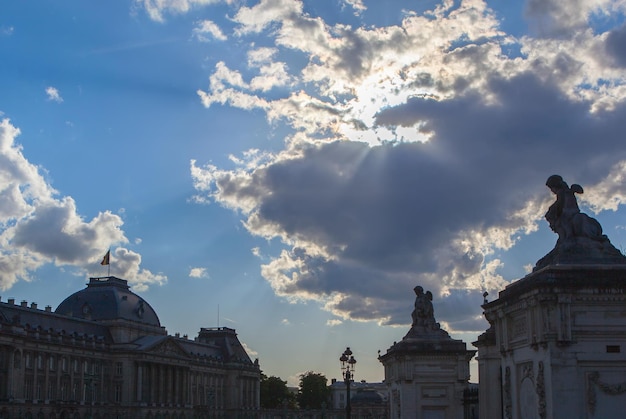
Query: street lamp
{"points": [[347, 370]]}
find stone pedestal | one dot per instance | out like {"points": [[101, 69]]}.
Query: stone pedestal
{"points": [[426, 374], [556, 348]]}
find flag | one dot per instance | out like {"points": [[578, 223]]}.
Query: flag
{"points": [[105, 259]]}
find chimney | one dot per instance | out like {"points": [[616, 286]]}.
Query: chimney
{"points": [[24, 303], [49, 309], [11, 301], [33, 306]]}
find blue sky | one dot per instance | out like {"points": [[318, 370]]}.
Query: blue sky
{"points": [[298, 167]]}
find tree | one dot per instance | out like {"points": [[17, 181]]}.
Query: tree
{"points": [[313, 391], [274, 393]]}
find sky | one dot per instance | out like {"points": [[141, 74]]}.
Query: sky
{"points": [[293, 169]]}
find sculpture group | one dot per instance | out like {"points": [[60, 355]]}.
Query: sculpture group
{"points": [[424, 325], [423, 314]]}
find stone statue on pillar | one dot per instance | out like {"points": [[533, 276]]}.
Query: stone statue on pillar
{"points": [[423, 316], [580, 236]]}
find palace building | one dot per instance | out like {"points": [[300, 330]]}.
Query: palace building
{"points": [[104, 354]]}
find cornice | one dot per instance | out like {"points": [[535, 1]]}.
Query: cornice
{"points": [[596, 278]]}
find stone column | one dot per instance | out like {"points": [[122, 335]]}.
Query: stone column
{"points": [[139, 384], [10, 371]]}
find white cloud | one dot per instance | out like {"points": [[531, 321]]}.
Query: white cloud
{"points": [[53, 94], [156, 9], [20, 181], [198, 273], [37, 227], [357, 5], [355, 72], [260, 56], [227, 86], [271, 75], [208, 27], [251, 352], [610, 192], [127, 264], [255, 19]]}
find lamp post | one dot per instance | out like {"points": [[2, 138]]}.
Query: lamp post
{"points": [[347, 370]]}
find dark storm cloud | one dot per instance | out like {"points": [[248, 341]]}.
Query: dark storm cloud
{"points": [[355, 53], [508, 147], [388, 206], [46, 225], [57, 232], [379, 203], [556, 18], [616, 45], [389, 214]]}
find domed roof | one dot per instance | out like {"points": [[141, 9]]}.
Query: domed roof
{"points": [[367, 397], [108, 298]]}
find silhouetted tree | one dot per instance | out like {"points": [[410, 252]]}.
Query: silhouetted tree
{"points": [[275, 394], [313, 390]]}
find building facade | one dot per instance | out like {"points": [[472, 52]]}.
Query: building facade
{"points": [[556, 346], [104, 354]]}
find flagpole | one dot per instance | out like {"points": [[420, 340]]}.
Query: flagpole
{"points": [[106, 260]]}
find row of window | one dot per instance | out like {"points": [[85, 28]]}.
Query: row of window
{"points": [[32, 360], [90, 392]]}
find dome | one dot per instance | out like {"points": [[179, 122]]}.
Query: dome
{"points": [[367, 397], [108, 298]]}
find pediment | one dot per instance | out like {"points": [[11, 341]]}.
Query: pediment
{"points": [[168, 348]]}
